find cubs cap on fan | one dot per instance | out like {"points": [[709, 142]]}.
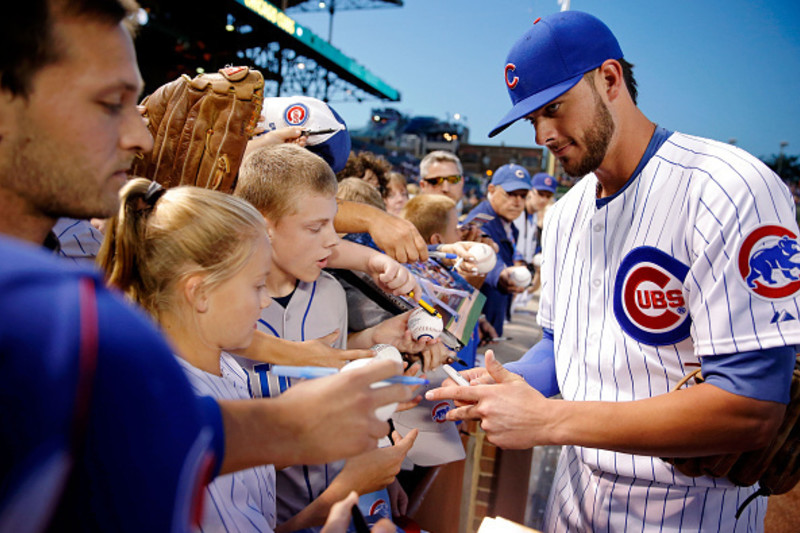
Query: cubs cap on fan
{"points": [[311, 114], [439, 441], [512, 178], [551, 58], [544, 182]]}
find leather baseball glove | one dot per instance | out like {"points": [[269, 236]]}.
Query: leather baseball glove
{"points": [[201, 127], [776, 467]]}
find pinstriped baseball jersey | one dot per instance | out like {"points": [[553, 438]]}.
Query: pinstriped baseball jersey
{"points": [[243, 500], [315, 309], [685, 261]]}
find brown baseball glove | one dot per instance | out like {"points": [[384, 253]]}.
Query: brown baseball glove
{"points": [[201, 127], [775, 467]]}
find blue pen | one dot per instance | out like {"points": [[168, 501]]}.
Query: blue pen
{"points": [[311, 372], [442, 255]]}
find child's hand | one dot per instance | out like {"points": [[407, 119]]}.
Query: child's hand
{"points": [[319, 352], [435, 355], [391, 275], [376, 469]]}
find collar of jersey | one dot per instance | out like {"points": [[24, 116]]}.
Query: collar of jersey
{"points": [[659, 137]]}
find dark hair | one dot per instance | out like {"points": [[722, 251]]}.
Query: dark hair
{"points": [[627, 76], [358, 164], [28, 42]]}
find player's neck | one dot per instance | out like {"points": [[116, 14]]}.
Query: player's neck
{"points": [[626, 150], [19, 219]]}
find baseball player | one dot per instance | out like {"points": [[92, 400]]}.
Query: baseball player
{"points": [[672, 252]]}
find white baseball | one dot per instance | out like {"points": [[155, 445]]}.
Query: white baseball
{"points": [[387, 351], [423, 324], [484, 257], [520, 276], [383, 412]]}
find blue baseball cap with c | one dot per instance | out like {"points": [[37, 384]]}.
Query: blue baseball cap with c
{"points": [[551, 58], [512, 178], [544, 182]]}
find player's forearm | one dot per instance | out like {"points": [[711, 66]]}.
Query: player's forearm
{"points": [[701, 420]]}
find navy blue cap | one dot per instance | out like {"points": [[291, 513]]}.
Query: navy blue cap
{"points": [[512, 178], [551, 58], [544, 182]]}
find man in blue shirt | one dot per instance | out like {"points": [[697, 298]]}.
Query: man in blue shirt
{"points": [[505, 202]]}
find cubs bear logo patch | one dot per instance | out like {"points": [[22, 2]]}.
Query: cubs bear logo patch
{"points": [[649, 302], [769, 262]]}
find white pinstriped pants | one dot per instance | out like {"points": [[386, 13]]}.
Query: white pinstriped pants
{"points": [[583, 500]]}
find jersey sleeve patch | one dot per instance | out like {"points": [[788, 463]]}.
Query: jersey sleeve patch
{"points": [[649, 302], [769, 263]]}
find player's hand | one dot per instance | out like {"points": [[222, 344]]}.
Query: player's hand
{"points": [[512, 413], [398, 498], [398, 237], [391, 275], [339, 518], [320, 352], [376, 469], [346, 398]]}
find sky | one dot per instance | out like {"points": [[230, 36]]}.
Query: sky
{"points": [[724, 69]]}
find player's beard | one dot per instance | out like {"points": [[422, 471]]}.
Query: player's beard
{"points": [[596, 140]]}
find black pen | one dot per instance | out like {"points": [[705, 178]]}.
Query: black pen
{"points": [[358, 520]]}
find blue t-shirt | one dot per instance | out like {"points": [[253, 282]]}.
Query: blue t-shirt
{"points": [[149, 443]]}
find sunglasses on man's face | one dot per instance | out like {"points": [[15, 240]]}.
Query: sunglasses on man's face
{"points": [[441, 179]]}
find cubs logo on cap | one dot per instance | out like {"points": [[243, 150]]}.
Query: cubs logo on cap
{"points": [[649, 303], [511, 82], [769, 264], [296, 114]]}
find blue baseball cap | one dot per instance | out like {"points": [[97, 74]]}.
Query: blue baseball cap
{"points": [[311, 114], [512, 178], [544, 182], [551, 58]]}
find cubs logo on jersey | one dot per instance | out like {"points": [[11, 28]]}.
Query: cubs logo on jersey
{"points": [[649, 303], [439, 412], [769, 262], [296, 114]]}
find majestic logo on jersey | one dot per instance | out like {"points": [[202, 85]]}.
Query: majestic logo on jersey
{"points": [[296, 114], [379, 507], [439, 412], [511, 82], [648, 297], [769, 263]]}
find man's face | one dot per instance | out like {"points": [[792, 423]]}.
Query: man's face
{"points": [[66, 149], [442, 169], [537, 200], [576, 127], [508, 205]]}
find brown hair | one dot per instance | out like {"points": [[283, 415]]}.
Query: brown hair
{"points": [[28, 41], [274, 179], [161, 237], [358, 164], [429, 213]]}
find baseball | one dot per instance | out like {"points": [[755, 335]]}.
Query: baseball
{"points": [[383, 412], [422, 324], [484, 257], [387, 351], [520, 276]]}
